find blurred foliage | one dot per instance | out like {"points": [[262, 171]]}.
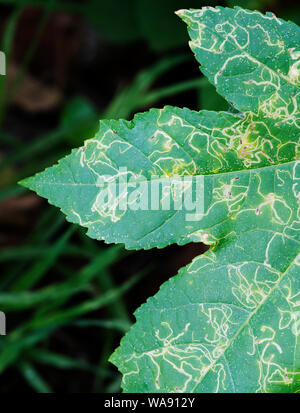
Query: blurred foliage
{"points": [[115, 20], [65, 295], [154, 21], [79, 109], [159, 25]]}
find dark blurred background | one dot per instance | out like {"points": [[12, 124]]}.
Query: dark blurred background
{"points": [[69, 299]]}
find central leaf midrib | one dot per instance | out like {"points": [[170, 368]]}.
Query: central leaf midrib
{"points": [[168, 178]]}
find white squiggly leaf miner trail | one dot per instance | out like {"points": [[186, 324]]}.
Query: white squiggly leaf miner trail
{"points": [[236, 308]]}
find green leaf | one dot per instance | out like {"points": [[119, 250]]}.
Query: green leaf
{"points": [[168, 143], [237, 307], [230, 312], [252, 59]]}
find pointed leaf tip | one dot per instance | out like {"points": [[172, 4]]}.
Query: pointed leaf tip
{"points": [[24, 182], [182, 13]]}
